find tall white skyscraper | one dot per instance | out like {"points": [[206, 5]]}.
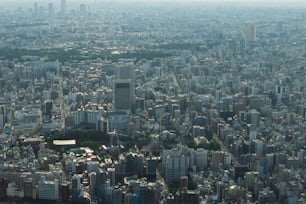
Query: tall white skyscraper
{"points": [[250, 32], [50, 9], [35, 8], [48, 190], [63, 7]]}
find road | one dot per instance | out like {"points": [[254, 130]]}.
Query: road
{"points": [[224, 148], [61, 97], [173, 75]]}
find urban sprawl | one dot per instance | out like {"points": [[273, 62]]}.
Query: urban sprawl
{"points": [[147, 103]]}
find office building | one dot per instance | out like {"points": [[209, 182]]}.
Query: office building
{"points": [[86, 117], [201, 159], [48, 108], [198, 131], [82, 8], [76, 188], [250, 32], [123, 94], [28, 188], [48, 190], [118, 120], [175, 164], [117, 195], [35, 8], [151, 164], [130, 198], [63, 7], [50, 9], [65, 192], [3, 187], [125, 72]]}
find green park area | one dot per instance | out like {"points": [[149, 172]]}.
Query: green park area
{"points": [[91, 139], [77, 54]]}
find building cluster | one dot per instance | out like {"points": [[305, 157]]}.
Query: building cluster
{"points": [[197, 108]]}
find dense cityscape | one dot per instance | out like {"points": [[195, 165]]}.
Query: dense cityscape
{"points": [[148, 103]]}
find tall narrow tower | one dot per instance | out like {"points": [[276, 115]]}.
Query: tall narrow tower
{"points": [[122, 99], [50, 9], [123, 96], [35, 9], [250, 32], [63, 7]]}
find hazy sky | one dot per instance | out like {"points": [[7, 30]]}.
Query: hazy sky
{"points": [[77, 2], [242, 1], [186, 1]]}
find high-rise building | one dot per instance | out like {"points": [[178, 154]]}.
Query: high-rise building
{"points": [[50, 9], [63, 7], [250, 32], [28, 188], [118, 120], [82, 8], [35, 8], [102, 125], [125, 72], [198, 131], [117, 195], [65, 192], [86, 117], [48, 108], [175, 163], [220, 190], [134, 164], [216, 159], [130, 198], [201, 158], [48, 190], [123, 94], [253, 118], [151, 164], [75, 188], [259, 147], [3, 187]]}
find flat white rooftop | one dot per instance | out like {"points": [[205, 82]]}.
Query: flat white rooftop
{"points": [[64, 142]]}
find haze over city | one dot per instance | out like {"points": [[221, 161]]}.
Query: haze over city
{"points": [[152, 102]]}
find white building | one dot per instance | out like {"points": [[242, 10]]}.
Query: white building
{"points": [[88, 117], [175, 163], [79, 117], [250, 32], [63, 7], [48, 190], [13, 191], [198, 131], [102, 125]]}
